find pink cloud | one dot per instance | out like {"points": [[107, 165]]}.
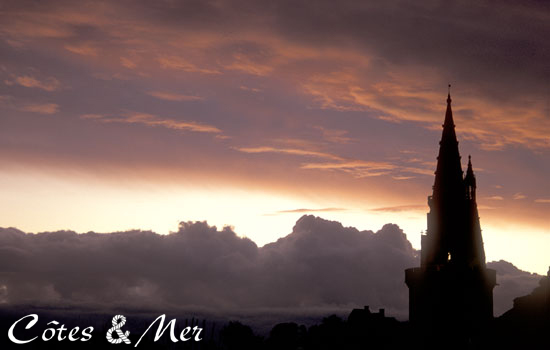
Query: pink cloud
{"points": [[170, 96], [44, 108], [83, 49], [49, 84], [126, 62], [153, 121], [292, 151], [178, 63]]}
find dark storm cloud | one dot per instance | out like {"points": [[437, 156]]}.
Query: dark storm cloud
{"points": [[321, 264], [470, 41], [385, 59], [512, 283]]}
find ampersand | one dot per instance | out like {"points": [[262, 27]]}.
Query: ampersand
{"points": [[122, 337]]}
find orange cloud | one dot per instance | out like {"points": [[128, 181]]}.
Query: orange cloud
{"points": [[400, 208], [49, 84], [126, 62], [303, 210], [178, 63], [245, 64], [246, 88], [23, 26], [169, 96], [413, 98], [356, 168], [44, 108], [293, 151], [402, 177], [154, 121], [334, 135], [84, 50]]}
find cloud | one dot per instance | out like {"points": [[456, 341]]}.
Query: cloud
{"points": [[42, 108], [83, 49], [402, 177], [128, 63], [519, 196], [292, 151], [400, 208], [49, 84], [512, 283], [153, 121], [407, 97], [178, 63], [334, 135], [495, 198], [6, 99], [350, 57], [358, 168], [170, 96], [253, 89], [244, 64], [310, 210], [542, 200], [320, 264]]}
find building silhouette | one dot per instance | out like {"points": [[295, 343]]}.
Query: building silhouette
{"points": [[452, 290]]}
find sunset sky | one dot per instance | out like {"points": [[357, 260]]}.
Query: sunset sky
{"points": [[122, 115]]}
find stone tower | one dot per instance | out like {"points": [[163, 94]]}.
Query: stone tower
{"points": [[452, 287]]}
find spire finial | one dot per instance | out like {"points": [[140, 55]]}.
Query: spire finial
{"points": [[449, 94]]}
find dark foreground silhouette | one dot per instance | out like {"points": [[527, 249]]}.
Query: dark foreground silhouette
{"points": [[525, 326]]}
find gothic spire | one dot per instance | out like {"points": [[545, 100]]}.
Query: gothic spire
{"points": [[449, 170], [449, 112], [447, 201]]}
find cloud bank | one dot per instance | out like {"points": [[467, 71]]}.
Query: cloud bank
{"points": [[321, 264]]}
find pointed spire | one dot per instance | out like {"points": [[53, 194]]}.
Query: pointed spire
{"points": [[448, 194], [449, 113], [449, 158]]}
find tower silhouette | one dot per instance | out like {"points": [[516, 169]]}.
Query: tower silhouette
{"points": [[452, 290]]}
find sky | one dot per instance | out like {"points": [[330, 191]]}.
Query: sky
{"points": [[139, 115]]}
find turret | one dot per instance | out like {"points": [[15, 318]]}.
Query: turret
{"points": [[470, 181]]}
